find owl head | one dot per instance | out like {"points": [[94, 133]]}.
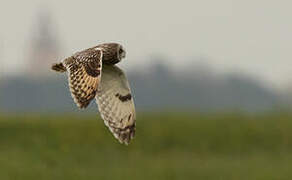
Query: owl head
{"points": [[112, 53]]}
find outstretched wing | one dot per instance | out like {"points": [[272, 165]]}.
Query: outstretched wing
{"points": [[84, 71], [116, 105]]}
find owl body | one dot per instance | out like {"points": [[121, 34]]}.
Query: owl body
{"points": [[112, 93]]}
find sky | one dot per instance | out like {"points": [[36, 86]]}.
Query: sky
{"points": [[252, 36]]}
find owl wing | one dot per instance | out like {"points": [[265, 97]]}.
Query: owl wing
{"points": [[116, 105], [84, 73]]}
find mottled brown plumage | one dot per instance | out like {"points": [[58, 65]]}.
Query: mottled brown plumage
{"points": [[111, 53], [84, 75], [89, 79]]}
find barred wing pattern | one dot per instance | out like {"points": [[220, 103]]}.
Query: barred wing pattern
{"points": [[84, 73], [116, 105]]}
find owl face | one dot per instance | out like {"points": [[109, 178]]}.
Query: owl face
{"points": [[121, 53]]}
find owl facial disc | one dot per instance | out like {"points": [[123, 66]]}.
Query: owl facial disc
{"points": [[121, 53]]}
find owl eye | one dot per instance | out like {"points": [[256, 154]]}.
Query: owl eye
{"points": [[121, 51]]}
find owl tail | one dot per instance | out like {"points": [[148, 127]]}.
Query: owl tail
{"points": [[59, 67]]}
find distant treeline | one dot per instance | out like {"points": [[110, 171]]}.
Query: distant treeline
{"points": [[159, 88]]}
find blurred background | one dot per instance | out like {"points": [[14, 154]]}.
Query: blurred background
{"points": [[211, 82]]}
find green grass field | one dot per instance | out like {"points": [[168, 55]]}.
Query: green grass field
{"points": [[166, 146]]}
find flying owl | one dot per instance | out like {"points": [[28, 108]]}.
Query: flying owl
{"points": [[92, 74]]}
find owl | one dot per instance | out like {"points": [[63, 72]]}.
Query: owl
{"points": [[92, 74]]}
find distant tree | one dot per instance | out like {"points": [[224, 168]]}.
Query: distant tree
{"points": [[1, 59], [45, 46]]}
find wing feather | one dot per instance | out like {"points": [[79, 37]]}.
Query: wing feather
{"points": [[84, 73], [116, 105]]}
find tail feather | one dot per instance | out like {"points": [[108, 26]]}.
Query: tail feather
{"points": [[59, 67]]}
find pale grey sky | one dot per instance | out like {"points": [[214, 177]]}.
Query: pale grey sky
{"points": [[253, 36]]}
